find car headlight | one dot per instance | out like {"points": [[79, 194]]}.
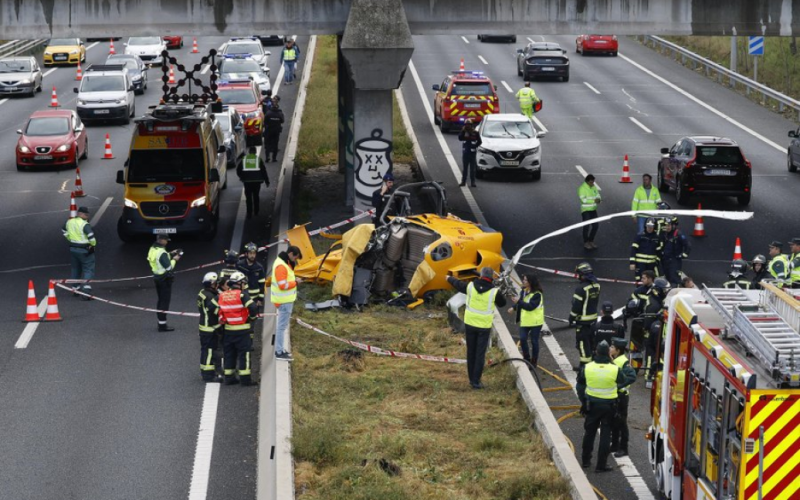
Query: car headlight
{"points": [[24, 149], [199, 202], [120, 101], [484, 151], [62, 148], [73, 52], [48, 53], [131, 203], [531, 151], [27, 80], [81, 102]]}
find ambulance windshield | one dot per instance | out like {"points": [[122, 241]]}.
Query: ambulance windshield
{"points": [[482, 88], [163, 165]]}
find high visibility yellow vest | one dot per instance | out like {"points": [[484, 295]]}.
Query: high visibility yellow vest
{"points": [[289, 54], [250, 163], [278, 296], [154, 258], [601, 380], [620, 361], [779, 258], [795, 267], [526, 96], [480, 307], [74, 233], [643, 202], [535, 317], [588, 195]]}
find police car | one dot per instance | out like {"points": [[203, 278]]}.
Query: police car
{"points": [[250, 46], [239, 66]]}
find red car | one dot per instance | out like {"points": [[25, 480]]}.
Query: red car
{"points": [[173, 41], [245, 98], [597, 44], [52, 138]]}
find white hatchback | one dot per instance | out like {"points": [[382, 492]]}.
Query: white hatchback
{"points": [[148, 48], [509, 143]]}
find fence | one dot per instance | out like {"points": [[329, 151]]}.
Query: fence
{"points": [[14, 47]]}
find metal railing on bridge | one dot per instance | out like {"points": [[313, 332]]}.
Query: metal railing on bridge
{"points": [[14, 47]]}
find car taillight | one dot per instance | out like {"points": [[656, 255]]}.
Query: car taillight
{"points": [[689, 164], [748, 163]]}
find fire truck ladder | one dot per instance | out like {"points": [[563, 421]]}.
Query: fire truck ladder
{"points": [[761, 329]]}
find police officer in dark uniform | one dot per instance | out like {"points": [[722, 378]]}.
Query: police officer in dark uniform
{"points": [[584, 311], [470, 141], [619, 430], [598, 385], [209, 328], [254, 271], [606, 329], [675, 248], [653, 321], [273, 121]]}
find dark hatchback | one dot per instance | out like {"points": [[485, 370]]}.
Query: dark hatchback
{"points": [[543, 60], [705, 165]]}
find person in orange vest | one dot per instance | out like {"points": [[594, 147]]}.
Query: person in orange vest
{"points": [[283, 293], [237, 311]]}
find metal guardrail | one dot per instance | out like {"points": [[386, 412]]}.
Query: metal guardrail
{"points": [[722, 73], [14, 47]]}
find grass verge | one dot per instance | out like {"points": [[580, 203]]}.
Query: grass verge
{"points": [[318, 141], [371, 427]]}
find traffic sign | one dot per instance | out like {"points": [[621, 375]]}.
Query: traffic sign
{"points": [[756, 46]]}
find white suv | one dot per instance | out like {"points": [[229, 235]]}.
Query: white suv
{"points": [[106, 93], [148, 48], [509, 143], [251, 46]]}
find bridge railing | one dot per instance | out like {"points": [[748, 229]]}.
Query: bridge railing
{"points": [[722, 73], [14, 47]]}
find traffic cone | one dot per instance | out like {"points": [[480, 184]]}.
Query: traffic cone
{"points": [[195, 50], [31, 314], [111, 50], [108, 154], [699, 228], [461, 68], [171, 76], [52, 305], [78, 193], [54, 99], [737, 252], [79, 74], [73, 208], [626, 172]]}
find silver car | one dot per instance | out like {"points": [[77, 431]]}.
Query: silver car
{"points": [[20, 75], [235, 137]]}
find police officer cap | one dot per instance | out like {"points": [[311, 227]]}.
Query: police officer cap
{"points": [[163, 237], [776, 244], [388, 176], [795, 241], [602, 348], [83, 210], [607, 307], [619, 342]]}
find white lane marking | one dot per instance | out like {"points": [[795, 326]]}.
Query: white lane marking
{"points": [[3, 101], [442, 143], [592, 88], [465, 39], [633, 99], [484, 61], [540, 124], [48, 72], [198, 488], [30, 328], [584, 173], [507, 86], [714, 110], [100, 211], [530, 39], [641, 125], [92, 45]]}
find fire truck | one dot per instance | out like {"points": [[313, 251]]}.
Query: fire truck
{"points": [[726, 402]]}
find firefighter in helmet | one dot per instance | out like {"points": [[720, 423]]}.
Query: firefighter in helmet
{"points": [[209, 326], [583, 315], [653, 322], [759, 265], [237, 311], [737, 276]]}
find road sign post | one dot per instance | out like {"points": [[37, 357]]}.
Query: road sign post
{"points": [[755, 48]]}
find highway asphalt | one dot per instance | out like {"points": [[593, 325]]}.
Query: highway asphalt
{"points": [[589, 122], [102, 405]]}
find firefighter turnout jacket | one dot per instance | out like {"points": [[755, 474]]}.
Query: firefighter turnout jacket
{"points": [[740, 281], [585, 300], [675, 246], [646, 249], [209, 309], [237, 310], [256, 277]]}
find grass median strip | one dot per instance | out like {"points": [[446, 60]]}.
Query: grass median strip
{"points": [[369, 427]]}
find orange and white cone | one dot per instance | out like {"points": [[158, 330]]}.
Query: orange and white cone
{"points": [[461, 67], [171, 75], [737, 252], [54, 99], [195, 50], [79, 73], [699, 228], [52, 305], [108, 155], [73, 208], [78, 193], [31, 314], [111, 50], [626, 172]]}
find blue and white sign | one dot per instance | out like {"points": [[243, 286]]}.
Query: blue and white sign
{"points": [[756, 46]]}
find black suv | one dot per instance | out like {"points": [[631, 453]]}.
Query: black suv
{"points": [[543, 59], [705, 165]]}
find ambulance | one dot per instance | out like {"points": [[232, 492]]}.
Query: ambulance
{"points": [[174, 174], [463, 95]]}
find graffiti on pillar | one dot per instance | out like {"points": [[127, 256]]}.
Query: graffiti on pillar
{"points": [[374, 161]]}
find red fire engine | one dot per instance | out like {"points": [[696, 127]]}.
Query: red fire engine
{"points": [[726, 403]]}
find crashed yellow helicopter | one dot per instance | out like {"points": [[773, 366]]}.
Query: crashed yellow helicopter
{"points": [[406, 255]]}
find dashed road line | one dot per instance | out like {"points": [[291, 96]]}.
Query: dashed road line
{"points": [[100, 211], [48, 72], [507, 86], [465, 39], [584, 173], [3, 101], [30, 328], [540, 124], [198, 489], [484, 61], [640, 124], [592, 88], [91, 46]]}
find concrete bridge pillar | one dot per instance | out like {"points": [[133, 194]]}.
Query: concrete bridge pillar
{"points": [[373, 56]]}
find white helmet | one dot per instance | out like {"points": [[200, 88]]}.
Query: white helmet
{"points": [[236, 277], [210, 278]]}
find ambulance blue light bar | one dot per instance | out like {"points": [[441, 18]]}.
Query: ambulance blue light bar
{"points": [[462, 72]]}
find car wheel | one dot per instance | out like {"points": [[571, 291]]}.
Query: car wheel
{"points": [[443, 125], [791, 165], [660, 182], [39, 88], [537, 175], [576, 49], [435, 119], [133, 111], [565, 78], [21, 168], [526, 77], [225, 180], [77, 157], [519, 71], [85, 150], [615, 54], [514, 39], [743, 199], [123, 234], [480, 38], [680, 192]]}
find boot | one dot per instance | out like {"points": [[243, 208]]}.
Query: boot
{"points": [[231, 380], [163, 327], [535, 362], [212, 379], [621, 453]]}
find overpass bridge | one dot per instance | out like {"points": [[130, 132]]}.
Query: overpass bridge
{"points": [[375, 39]]}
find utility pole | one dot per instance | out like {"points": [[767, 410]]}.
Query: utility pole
{"points": [[734, 51]]}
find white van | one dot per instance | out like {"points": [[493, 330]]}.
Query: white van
{"points": [[106, 92]]}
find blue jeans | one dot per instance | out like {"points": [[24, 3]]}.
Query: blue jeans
{"points": [[288, 67], [282, 326], [532, 333], [82, 263], [640, 224]]}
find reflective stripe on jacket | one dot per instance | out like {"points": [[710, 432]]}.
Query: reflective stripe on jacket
{"points": [[250, 163], [620, 362], [287, 294], [584, 302], [79, 233], [480, 307], [588, 194], [154, 258], [641, 201], [535, 317], [779, 268], [289, 54], [526, 97], [794, 265], [209, 310], [601, 380], [234, 311]]}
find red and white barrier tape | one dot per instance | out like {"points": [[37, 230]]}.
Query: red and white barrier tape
{"points": [[342, 223], [573, 275], [137, 308], [378, 350]]}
